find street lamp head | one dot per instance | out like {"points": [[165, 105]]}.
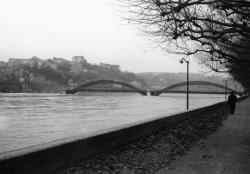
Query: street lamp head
{"points": [[183, 59]]}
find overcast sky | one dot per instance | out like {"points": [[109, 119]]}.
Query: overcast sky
{"points": [[91, 28]]}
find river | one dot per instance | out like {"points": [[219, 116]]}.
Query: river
{"points": [[32, 119]]}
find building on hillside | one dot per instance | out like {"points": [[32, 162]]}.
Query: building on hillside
{"points": [[19, 73], [2, 76], [117, 85], [37, 61], [36, 78], [59, 60], [136, 84], [72, 84], [78, 60], [51, 65], [6, 73], [78, 69], [77, 65], [94, 72], [2, 63], [109, 66], [40, 64], [13, 62]]}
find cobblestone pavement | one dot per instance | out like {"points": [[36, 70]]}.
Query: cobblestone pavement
{"points": [[153, 153]]}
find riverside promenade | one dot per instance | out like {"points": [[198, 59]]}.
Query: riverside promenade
{"points": [[218, 143], [225, 152]]}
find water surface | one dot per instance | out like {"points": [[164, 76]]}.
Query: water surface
{"points": [[32, 119]]}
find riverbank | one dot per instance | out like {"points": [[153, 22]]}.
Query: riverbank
{"points": [[155, 151], [226, 151]]}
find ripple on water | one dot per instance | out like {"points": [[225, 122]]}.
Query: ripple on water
{"points": [[31, 119]]}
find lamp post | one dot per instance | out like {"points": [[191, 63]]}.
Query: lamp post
{"points": [[182, 61], [225, 89]]}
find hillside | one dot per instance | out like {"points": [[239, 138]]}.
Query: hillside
{"points": [[57, 74]]}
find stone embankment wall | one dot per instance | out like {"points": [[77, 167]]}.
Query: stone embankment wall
{"points": [[48, 157]]}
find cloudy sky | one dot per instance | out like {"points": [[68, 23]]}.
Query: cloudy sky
{"points": [[92, 28]]}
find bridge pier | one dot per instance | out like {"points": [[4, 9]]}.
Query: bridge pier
{"points": [[155, 93], [70, 91], [144, 93]]}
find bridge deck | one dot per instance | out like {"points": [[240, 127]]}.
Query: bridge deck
{"points": [[197, 92], [144, 92], [90, 87]]}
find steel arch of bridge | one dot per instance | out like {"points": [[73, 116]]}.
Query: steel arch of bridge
{"points": [[84, 86], [170, 89]]}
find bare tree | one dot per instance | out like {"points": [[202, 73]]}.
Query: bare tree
{"points": [[212, 30], [241, 71]]}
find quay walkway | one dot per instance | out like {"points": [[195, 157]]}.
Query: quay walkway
{"points": [[204, 145], [226, 152]]}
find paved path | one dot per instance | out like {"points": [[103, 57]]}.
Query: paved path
{"points": [[225, 152]]}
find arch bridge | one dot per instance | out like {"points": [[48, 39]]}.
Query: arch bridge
{"points": [[106, 86], [195, 87]]}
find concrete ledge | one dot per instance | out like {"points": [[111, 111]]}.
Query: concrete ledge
{"points": [[47, 157]]}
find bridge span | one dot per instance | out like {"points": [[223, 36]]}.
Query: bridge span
{"points": [[195, 87], [106, 86]]}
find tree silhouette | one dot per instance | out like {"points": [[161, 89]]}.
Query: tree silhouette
{"points": [[208, 29]]}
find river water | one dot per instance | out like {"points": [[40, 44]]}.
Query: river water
{"points": [[33, 119]]}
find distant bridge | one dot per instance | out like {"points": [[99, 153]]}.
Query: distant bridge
{"points": [[106, 86], [196, 87]]}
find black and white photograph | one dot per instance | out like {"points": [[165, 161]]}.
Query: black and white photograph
{"points": [[124, 87]]}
